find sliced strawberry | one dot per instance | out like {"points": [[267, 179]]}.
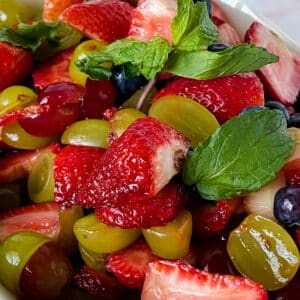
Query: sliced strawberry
{"points": [[227, 34], [138, 164], [42, 218], [216, 11], [53, 8], [17, 166], [54, 71], [98, 284], [282, 79], [15, 64], [210, 218], [225, 96], [292, 172], [156, 211], [129, 265], [151, 18], [107, 20], [171, 280], [73, 166]]}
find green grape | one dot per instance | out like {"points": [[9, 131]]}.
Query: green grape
{"points": [[9, 196], [123, 118], [187, 116], [263, 251], [81, 52], [41, 179], [15, 251], [171, 241], [98, 237], [96, 261], [15, 97], [15, 136], [89, 132], [67, 37]]}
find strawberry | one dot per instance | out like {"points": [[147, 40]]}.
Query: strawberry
{"points": [[151, 18], [216, 11], [15, 64], [54, 71], [72, 167], [98, 284], [155, 211], [225, 96], [53, 8], [42, 218], [297, 236], [173, 280], [129, 265], [17, 166], [292, 172], [227, 34], [107, 20], [210, 218], [282, 79], [138, 164]]}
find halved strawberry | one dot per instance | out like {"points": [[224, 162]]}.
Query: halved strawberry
{"points": [[54, 70], [138, 164], [292, 172], [216, 11], [53, 8], [17, 166], [15, 64], [151, 18], [227, 34], [107, 20], [42, 218], [173, 280], [98, 284], [73, 166], [210, 218], [129, 265], [282, 79], [225, 96], [155, 211]]}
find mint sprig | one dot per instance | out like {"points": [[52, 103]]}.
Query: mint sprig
{"points": [[243, 155]]}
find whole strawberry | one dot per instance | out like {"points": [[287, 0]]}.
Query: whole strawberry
{"points": [[224, 96]]}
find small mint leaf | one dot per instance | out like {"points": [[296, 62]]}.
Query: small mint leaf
{"points": [[205, 64], [243, 155], [192, 28]]}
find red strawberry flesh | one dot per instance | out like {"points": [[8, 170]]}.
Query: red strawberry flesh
{"points": [[107, 20], [172, 280], [282, 79]]}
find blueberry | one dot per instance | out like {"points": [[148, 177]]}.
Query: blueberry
{"points": [[277, 105], [287, 206], [217, 47], [295, 120], [126, 86], [208, 4], [249, 108]]}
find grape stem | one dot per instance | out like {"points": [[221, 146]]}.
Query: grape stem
{"points": [[145, 93]]}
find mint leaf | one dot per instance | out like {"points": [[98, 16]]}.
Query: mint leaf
{"points": [[30, 36], [242, 155], [148, 58], [205, 64], [192, 27]]}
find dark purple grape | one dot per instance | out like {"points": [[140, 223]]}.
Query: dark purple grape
{"points": [[287, 206]]}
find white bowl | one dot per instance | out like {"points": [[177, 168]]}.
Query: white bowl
{"points": [[240, 16]]}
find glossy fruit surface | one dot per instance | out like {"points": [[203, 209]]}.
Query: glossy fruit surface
{"points": [[287, 206], [81, 52], [16, 96], [263, 251], [192, 119], [15, 251], [123, 118], [15, 136], [101, 238], [41, 179], [46, 273], [171, 241], [95, 261], [91, 132]]}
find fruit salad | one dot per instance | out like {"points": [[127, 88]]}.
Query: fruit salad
{"points": [[147, 151]]}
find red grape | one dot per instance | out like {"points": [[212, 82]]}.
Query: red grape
{"points": [[99, 95]]}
